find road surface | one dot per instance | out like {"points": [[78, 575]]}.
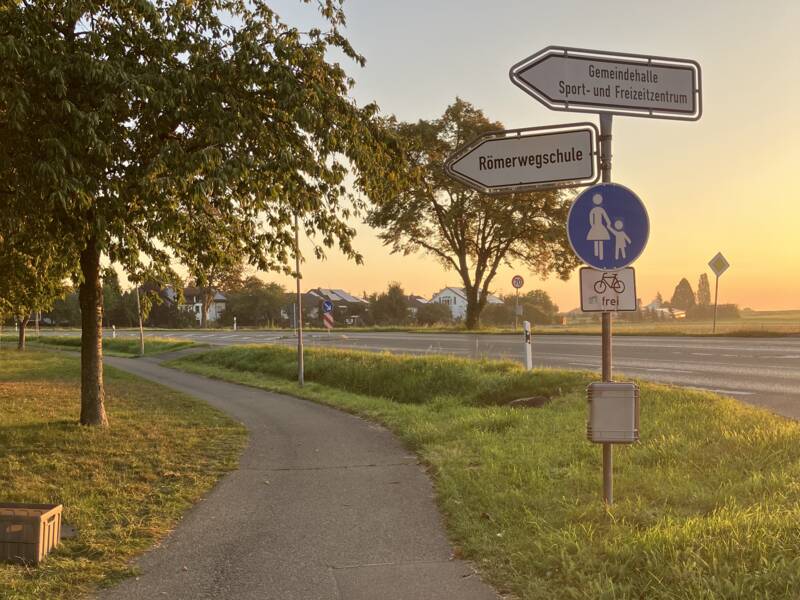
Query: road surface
{"points": [[763, 371]]}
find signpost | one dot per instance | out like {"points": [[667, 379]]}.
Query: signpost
{"points": [[327, 315], [613, 291], [608, 226], [528, 159], [719, 264], [517, 282], [636, 85]]}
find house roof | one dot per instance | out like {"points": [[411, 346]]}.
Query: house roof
{"points": [[191, 290], [337, 295]]}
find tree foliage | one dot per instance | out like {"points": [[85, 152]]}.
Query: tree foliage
{"points": [[468, 232], [255, 303], [434, 313], [390, 307], [683, 297], [703, 291], [145, 130]]}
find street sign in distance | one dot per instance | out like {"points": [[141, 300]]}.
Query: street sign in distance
{"points": [[517, 281], [719, 264], [608, 226], [580, 80], [534, 158], [327, 306], [608, 291]]}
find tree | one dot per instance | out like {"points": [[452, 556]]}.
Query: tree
{"points": [[703, 291], [469, 232], [683, 297], [391, 307], [132, 129], [433, 313], [33, 273], [255, 303], [112, 295]]}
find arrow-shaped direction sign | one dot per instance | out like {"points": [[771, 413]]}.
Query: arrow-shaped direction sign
{"points": [[534, 158], [595, 81]]}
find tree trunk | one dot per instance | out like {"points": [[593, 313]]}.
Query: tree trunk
{"points": [[93, 411], [473, 318], [208, 297], [23, 323]]}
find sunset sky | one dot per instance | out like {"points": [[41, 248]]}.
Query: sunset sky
{"points": [[726, 182]]}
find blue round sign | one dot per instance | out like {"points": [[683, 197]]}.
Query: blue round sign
{"points": [[608, 226], [327, 306]]}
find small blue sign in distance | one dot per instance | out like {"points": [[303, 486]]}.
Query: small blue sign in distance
{"points": [[608, 226], [327, 306]]}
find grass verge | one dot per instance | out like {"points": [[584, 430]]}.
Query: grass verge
{"points": [[708, 504], [124, 347], [122, 488]]}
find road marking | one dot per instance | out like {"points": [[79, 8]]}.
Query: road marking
{"points": [[657, 370], [702, 354], [726, 392], [789, 356]]}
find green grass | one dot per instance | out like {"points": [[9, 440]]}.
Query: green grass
{"points": [[125, 347], [123, 488], [707, 505]]}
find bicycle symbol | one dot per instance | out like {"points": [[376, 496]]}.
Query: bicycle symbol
{"points": [[609, 281]]}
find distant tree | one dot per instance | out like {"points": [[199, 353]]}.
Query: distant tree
{"points": [[390, 307], [255, 303], [538, 307], [703, 291], [128, 127], [112, 295], [466, 231], [434, 313], [683, 297], [33, 272], [658, 299], [66, 311]]}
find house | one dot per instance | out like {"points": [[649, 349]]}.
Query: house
{"points": [[456, 299], [347, 309], [193, 302]]}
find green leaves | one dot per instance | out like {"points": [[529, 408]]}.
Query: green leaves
{"points": [[165, 128]]}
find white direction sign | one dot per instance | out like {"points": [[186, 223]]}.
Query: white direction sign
{"points": [[533, 158], [719, 264], [580, 80], [609, 291]]}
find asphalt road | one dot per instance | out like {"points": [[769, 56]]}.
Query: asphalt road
{"points": [[763, 371]]}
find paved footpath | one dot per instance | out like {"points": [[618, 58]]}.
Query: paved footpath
{"points": [[324, 506]]}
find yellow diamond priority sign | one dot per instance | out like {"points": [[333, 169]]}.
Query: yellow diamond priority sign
{"points": [[719, 264]]}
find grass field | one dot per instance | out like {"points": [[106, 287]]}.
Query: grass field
{"points": [[125, 347], [707, 505], [122, 488]]}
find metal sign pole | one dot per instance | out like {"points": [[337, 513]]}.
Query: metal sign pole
{"points": [[716, 296], [516, 309], [605, 170], [300, 365]]}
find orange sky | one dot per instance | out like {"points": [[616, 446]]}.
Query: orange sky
{"points": [[724, 183]]}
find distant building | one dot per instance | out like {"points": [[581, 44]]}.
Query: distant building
{"points": [[456, 299], [414, 304], [193, 302], [347, 309]]}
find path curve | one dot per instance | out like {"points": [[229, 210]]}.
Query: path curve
{"points": [[324, 506]]}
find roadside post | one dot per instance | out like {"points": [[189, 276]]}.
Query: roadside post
{"points": [[526, 326], [298, 277], [234, 323], [327, 315], [719, 264], [113, 332], [517, 281], [608, 83]]}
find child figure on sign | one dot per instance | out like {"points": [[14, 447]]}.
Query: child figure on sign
{"points": [[621, 240]]}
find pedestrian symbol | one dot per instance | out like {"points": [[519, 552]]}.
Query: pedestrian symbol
{"points": [[608, 226]]}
